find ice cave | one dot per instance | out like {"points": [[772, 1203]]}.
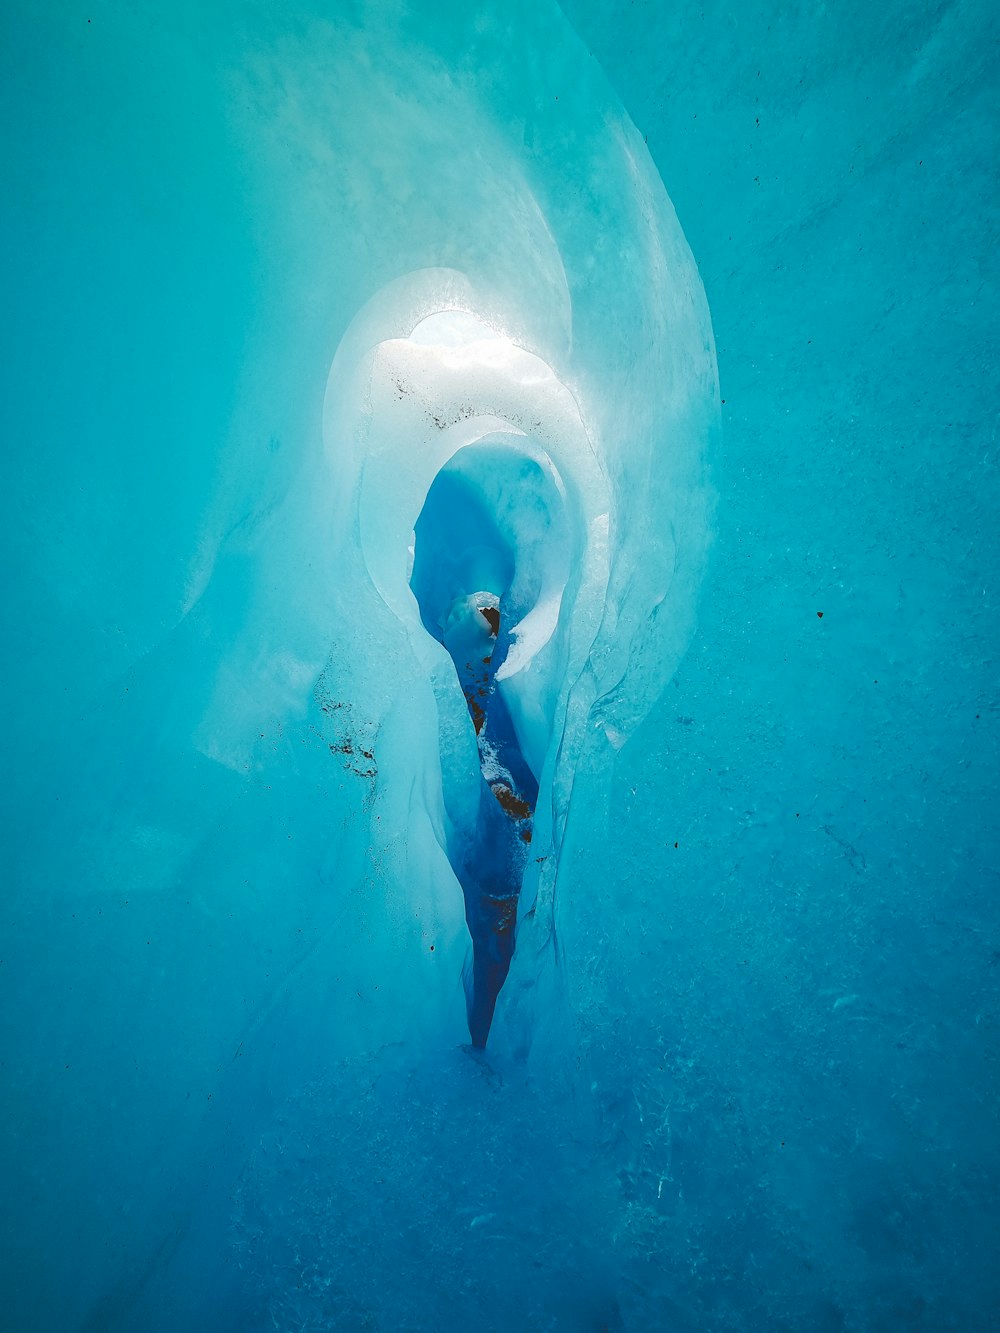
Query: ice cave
{"points": [[501, 827]]}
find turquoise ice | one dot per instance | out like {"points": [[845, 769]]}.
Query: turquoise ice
{"points": [[330, 328]]}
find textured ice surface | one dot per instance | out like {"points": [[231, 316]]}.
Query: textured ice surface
{"points": [[269, 270]]}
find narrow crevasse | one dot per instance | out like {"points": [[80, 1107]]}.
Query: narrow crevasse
{"points": [[491, 561], [478, 500]]}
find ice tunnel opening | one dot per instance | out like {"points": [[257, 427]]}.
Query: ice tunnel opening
{"points": [[490, 562], [480, 506]]}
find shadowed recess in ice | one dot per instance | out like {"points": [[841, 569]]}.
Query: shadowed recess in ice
{"points": [[491, 562], [490, 527], [569, 388]]}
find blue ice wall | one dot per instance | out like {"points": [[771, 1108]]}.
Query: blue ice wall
{"points": [[743, 1073], [828, 958]]}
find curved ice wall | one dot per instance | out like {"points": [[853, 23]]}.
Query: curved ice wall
{"points": [[377, 238], [470, 165], [597, 353]]}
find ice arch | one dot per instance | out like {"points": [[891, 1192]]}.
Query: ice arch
{"points": [[458, 417], [464, 470], [489, 208]]}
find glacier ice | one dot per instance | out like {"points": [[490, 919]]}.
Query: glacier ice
{"points": [[443, 259], [458, 439], [349, 346]]}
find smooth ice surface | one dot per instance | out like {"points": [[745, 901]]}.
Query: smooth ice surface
{"points": [[278, 276]]}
